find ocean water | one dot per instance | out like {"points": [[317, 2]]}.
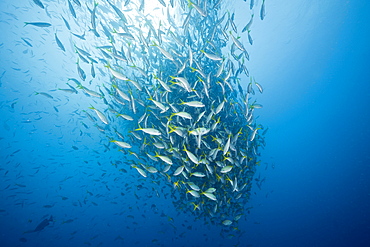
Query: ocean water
{"points": [[310, 187]]}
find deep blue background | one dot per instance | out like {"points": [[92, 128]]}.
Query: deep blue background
{"points": [[312, 57]]}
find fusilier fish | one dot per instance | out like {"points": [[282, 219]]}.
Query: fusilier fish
{"points": [[100, 115], [38, 24]]}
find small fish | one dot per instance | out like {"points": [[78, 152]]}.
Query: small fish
{"points": [[141, 171], [81, 72], [59, 43], [38, 24], [164, 52], [226, 169], [121, 144], [39, 3], [71, 9], [250, 38], [198, 174], [44, 94], [182, 114], [101, 116], [179, 170], [193, 193], [263, 10], [198, 9], [66, 23], [150, 131], [117, 74], [23, 240], [210, 196], [210, 190], [249, 24], [92, 71], [42, 225], [79, 36], [192, 103], [260, 89], [227, 222], [211, 56], [191, 156], [164, 158], [77, 2], [27, 42]]}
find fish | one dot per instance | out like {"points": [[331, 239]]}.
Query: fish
{"points": [[183, 82], [118, 11], [44, 94], [182, 114], [80, 36], [27, 42], [141, 171], [179, 110], [41, 226], [263, 11], [237, 43], [209, 195], [192, 103], [39, 3], [191, 156], [77, 2], [179, 170], [100, 115], [226, 169], [92, 70], [164, 158], [249, 24], [23, 240], [121, 144], [117, 74], [227, 222], [193, 193], [125, 116], [37, 24], [59, 43], [71, 9], [250, 38], [198, 9], [260, 89], [66, 23], [198, 174], [164, 52], [150, 131], [80, 71]]}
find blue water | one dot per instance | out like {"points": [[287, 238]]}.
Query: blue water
{"points": [[311, 58]]}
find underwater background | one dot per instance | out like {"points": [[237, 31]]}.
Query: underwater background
{"points": [[311, 187]]}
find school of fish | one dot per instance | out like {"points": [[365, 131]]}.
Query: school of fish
{"points": [[169, 93]]}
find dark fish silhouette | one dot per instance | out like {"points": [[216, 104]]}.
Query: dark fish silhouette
{"points": [[42, 225], [23, 240]]}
